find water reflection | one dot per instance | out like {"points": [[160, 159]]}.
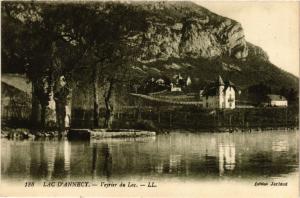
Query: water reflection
{"points": [[174, 163], [67, 158], [226, 157], [94, 161], [280, 146], [180, 155], [107, 160], [101, 153], [50, 152]]}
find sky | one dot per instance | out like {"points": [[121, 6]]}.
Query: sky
{"points": [[274, 26]]}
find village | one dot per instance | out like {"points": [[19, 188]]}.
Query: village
{"points": [[217, 94], [161, 104], [113, 79]]}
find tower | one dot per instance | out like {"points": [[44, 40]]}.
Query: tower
{"points": [[188, 81], [221, 86]]}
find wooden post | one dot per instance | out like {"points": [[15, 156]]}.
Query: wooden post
{"points": [[230, 128], [139, 114], [94, 162], [286, 123], [83, 116], [158, 116], [219, 123], [170, 119], [134, 115], [214, 124]]}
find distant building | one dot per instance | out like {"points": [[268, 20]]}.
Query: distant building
{"points": [[277, 100], [160, 81], [174, 87], [201, 93], [152, 84], [179, 82], [219, 94], [188, 81]]}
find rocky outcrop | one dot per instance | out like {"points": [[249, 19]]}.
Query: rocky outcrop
{"points": [[160, 41], [197, 41], [183, 32], [183, 37], [257, 52]]}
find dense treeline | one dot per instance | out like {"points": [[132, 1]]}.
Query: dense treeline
{"points": [[59, 46], [258, 93], [198, 119]]}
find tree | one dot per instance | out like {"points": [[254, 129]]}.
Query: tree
{"points": [[32, 47], [292, 97], [121, 52], [290, 94], [117, 75], [103, 37], [81, 25], [257, 93], [58, 40], [37, 41]]}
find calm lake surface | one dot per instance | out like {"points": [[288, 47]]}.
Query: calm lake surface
{"points": [[183, 156]]}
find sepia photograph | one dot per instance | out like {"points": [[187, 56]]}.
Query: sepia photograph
{"points": [[150, 98]]}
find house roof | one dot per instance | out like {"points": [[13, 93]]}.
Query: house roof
{"points": [[212, 89], [276, 97], [220, 81], [17, 81], [230, 84]]}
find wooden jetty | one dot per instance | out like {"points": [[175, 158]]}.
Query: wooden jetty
{"points": [[87, 134]]}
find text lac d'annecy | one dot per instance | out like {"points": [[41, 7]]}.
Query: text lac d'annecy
{"points": [[66, 184]]}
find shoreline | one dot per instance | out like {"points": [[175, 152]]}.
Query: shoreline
{"points": [[25, 133]]}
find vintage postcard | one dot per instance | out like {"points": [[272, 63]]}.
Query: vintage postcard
{"points": [[150, 99]]}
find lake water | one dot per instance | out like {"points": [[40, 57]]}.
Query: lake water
{"points": [[179, 156]]}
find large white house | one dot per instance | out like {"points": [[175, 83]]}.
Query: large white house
{"points": [[219, 94]]}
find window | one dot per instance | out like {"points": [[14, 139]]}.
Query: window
{"points": [[230, 99]]}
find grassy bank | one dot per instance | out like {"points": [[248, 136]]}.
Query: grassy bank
{"points": [[193, 118]]}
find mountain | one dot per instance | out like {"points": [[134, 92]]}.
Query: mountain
{"points": [[177, 37], [183, 37]]}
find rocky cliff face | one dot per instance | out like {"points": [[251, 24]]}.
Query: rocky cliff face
{"points": [[188, 30], [182, 37]]}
